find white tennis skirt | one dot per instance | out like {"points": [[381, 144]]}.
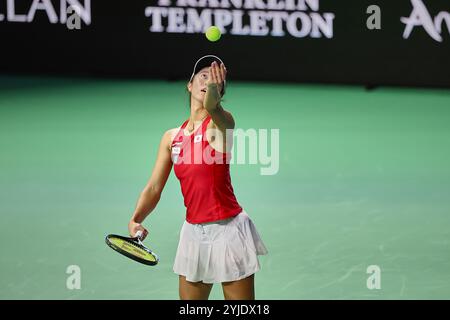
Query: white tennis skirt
{"points": [[219, 251]]}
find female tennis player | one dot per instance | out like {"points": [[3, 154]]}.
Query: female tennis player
{"points": [[218, 241]]}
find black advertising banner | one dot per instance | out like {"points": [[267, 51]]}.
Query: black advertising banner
{"points": [[380, 42]]}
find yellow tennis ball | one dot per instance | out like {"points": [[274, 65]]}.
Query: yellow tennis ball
{"points": [[213, 33]]}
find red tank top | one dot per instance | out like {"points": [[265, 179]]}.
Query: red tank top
{"points": [[204, 175]]}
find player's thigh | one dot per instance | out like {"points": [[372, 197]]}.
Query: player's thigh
{"points": [[243, 289], [193, 290]]}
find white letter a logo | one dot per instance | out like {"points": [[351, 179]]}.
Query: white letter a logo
{"points": [[420, 17]]}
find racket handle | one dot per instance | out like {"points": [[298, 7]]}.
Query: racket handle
{"points": [[139, 234]]}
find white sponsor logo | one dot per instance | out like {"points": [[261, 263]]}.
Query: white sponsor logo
{"points": [[276, 18], [421, 17], [176, 150], [197, 138], [64, 15]]}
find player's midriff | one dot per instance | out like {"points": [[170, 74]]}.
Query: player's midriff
{"points": [[204, 175]]}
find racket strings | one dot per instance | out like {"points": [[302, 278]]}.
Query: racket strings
{"points": [[141, 247], [137, 245]]}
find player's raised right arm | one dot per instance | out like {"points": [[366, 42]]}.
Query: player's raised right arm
{"points": [[151, 193]]}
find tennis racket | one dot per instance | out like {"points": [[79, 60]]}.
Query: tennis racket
{"points": [[132, 248]]}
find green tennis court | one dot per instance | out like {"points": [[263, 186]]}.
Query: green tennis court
{"points": [[363, 179]]}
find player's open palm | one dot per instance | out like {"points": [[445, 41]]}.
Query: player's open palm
{"points": [[216, 77]]}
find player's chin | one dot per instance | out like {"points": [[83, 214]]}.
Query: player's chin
{"points": [[201, 95], [200, 98]]}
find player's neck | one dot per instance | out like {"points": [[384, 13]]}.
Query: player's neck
{"points": [[198, 113]]}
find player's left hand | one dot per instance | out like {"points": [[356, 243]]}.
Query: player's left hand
{"points": [[216, 77]]}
